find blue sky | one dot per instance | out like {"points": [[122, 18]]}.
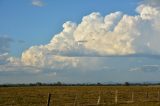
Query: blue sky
{"points": [[34, 25], [79, 41]]}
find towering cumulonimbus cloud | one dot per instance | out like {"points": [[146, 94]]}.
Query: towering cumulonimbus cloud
{"points": [[114, 34]]}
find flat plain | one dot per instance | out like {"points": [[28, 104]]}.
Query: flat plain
{"points": [[80, 96]]}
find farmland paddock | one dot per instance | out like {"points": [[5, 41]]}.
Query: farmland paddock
{"points": [[80, 96]]}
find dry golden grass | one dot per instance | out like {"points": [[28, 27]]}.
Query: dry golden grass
{"points": [[80, 96]]}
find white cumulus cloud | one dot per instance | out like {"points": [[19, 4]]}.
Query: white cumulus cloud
{"points": [[116, 34], [97, 35]]}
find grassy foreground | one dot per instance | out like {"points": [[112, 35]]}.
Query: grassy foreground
{"points": [[80, 96]]}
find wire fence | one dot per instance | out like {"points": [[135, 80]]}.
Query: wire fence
{"points": [[98, 98], [102, 98]]}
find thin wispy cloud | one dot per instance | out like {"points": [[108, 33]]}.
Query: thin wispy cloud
{"points": [[38, 3], [146, 68], [5, 44]]}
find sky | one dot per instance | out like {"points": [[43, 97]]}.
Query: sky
{"points": [[79, 41]]}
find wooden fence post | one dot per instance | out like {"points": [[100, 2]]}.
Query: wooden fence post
{"points": [[132, 96], [158, 99], [147, 95], [116, 96], [49, 98], [75, 100], [99, 99]]}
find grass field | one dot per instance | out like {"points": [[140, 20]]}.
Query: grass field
{"points": [[81, 96]]}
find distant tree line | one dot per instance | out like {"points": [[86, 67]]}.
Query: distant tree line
{"points": [[78, 84]]}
